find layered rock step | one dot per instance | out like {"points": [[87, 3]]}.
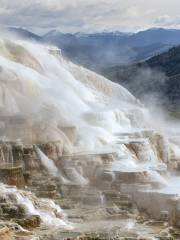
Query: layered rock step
{"points": [[108, 194], [6, 233]]}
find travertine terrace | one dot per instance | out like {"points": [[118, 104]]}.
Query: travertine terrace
{"points": [[80, 157]]}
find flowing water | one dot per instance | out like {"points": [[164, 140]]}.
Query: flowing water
{"points": [[47, 163], [49, 212]]}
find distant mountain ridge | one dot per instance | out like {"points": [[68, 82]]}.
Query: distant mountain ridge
{"points": [[154, 35], [21, 33]]}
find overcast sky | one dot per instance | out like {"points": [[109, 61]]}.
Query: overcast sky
{"points": [[90, 15]]}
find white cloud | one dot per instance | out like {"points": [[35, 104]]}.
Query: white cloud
{"points": [[132, 12], [167, 21], [89, 15]]}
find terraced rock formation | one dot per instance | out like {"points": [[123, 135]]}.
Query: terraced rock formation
{"points": [[88, 160]]}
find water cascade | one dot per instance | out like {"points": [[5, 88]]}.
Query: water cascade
{"points": [[47, 163]]}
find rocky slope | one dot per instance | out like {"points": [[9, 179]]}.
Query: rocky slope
{"points": [[157, 76]]}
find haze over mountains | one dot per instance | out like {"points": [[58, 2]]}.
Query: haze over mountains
{"points": [[100, 50]]}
